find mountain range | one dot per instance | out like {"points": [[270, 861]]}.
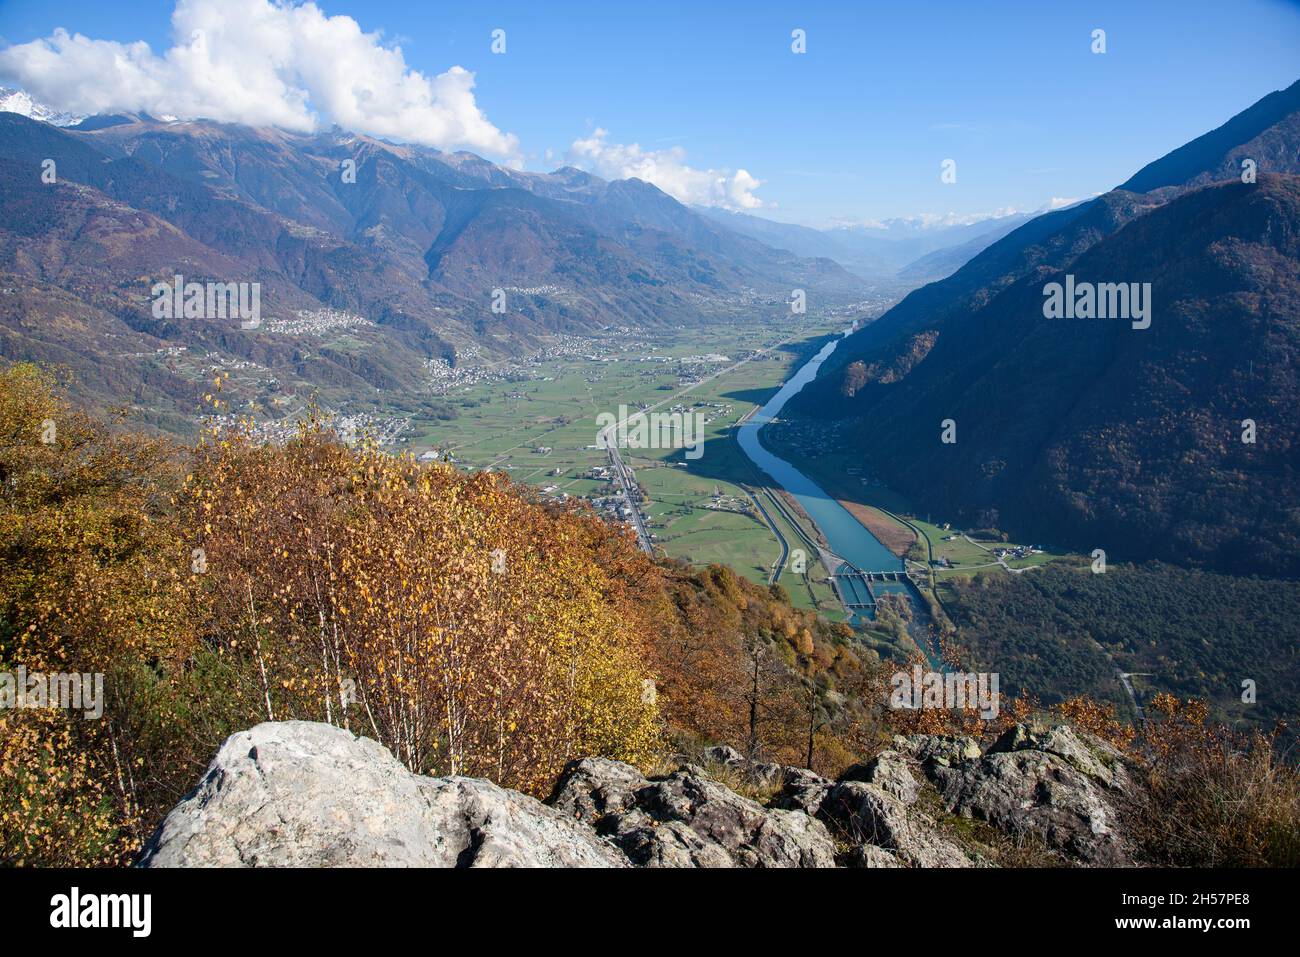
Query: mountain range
{"points": [[1175, 441], [899, 253], [1081, 432], [415, 245]]}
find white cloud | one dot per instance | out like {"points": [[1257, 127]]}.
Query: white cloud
{"points": [[922, 222], [667, 169], [262, 64]]}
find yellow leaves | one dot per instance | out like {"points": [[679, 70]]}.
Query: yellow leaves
{"points": [[390, 569], [324, 565]]}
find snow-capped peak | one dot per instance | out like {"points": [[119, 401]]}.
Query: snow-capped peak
{"points": [[17, 101]]}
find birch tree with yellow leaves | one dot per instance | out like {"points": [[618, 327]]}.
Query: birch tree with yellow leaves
{"points": [[444, 615]]}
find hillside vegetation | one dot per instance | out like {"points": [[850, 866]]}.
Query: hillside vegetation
{"points": [[407, 248], [1171, 442], [1064, 631], [468, 628]]}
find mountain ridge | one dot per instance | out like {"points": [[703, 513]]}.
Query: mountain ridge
{"points": [[415, 242], [1046, 447]]}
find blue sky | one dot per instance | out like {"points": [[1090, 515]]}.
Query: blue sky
{"points": [[853, 130]]}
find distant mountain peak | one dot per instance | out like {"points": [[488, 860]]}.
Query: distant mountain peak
{"points": [[18, 101], [1072, 424]]}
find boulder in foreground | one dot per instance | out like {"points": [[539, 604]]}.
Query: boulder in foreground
{"points": [[303, 794]]}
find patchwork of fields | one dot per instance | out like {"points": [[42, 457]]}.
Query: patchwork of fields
{"points": [[539, 425], [541, 429]]}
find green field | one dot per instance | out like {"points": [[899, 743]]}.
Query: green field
{"points": [[809, 589], [696, 510], [539, 425]]}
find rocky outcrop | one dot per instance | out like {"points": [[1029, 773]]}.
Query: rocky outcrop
{"points": [[801, 790], [301, 794], [940, 749], [305, 794], [868, 855], [760, 775], [871, 810], [689, 820], [889, 772], [1054, 784], [594, 787]]}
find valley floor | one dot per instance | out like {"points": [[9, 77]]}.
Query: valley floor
{"points": [[539, 425]]}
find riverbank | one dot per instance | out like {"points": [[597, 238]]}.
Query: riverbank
{"points": [[897, 538], [862, 566], [847, 538]]}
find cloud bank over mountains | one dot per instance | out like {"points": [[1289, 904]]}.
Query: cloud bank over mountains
{"points": [[262, 64], [924, 222], [667, 169], [289, 64], [292, 66]]}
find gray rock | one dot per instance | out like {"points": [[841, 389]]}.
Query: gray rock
{"points": [[868, 855], [1015, 738], [802, 777], [802, 790], [864, 814], [928, 849], [1085, 753], [721, 754], [1032, 791], [939, 749], [303, 794], [648, 842], [889, 772], [759, 774], [687, 819], [752, 835], [593, 787], [764, 776]]}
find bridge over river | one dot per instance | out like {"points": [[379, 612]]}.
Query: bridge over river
{"points": [[855, 587]]}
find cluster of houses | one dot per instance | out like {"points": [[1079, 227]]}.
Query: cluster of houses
{"points": [[1017, 551], [315, 322], [613, 506], [716, 410], [382, 429], [444, 378], [722, 502]]}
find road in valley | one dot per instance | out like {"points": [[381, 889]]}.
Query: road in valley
{"points": [[628, 484], [608, 438]]}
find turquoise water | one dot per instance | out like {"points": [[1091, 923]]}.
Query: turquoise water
{"points": [[848, 539]]}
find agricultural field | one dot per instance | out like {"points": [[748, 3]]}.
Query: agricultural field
{"points": [[540, 427]]}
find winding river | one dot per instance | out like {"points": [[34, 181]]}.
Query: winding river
{"points": [[846, 535]]}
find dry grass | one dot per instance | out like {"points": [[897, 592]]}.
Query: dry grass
{"points": [[1214, 797]]}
